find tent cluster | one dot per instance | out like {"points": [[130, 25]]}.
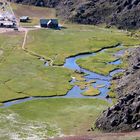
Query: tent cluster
{"points": [[8, 22], [7, 19]]}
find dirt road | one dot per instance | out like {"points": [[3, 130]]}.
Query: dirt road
{"points": [[25, 38], [105, 136]]}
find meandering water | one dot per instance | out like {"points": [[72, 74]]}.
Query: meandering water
{"points": [[102, 82], [76, 92]]}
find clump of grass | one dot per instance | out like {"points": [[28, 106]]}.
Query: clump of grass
{"points": [[84, 84], [112, 94], [125, 65], [118, 75], [78, 77], [91, 91], [100, 86]]}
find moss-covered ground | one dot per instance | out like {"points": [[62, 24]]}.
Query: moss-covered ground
{"points": [[75, 39], [23, 75], [57, 45], [99, 63]]}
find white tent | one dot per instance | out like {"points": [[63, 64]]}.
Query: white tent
{"points": [[1, 17]]}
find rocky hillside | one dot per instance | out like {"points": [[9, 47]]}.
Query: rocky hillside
{"points": [[130, 82], [122, 13], [125, 115]]}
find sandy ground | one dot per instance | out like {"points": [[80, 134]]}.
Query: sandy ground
{"points": [[4, 30]]}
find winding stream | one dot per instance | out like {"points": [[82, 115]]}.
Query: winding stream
{"points": [[76, 92]]}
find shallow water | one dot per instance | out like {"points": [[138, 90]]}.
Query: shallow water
{"points": [[102, 82], [116, 62]]}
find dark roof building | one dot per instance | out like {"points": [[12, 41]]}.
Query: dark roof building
{"points": [[44, 23], [49, 23], [24, 19], [40, 3]]}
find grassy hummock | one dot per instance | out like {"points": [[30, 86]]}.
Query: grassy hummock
{"points": [[112, 94], [92, 91], [84, 84]]}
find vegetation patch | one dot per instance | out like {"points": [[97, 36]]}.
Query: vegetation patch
{"points": [[23, 75], [98, 63], [118, 75], [75, 39], [84, 84], [60, 116], [92, 91], [112, 94], [15, 127]]}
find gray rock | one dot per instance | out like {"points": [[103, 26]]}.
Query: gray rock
{"points": [[125, 115]]}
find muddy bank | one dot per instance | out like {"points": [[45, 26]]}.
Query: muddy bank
{"points": [[125, 115]]}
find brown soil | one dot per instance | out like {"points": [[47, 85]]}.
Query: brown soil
{"points": [[32, 11], [5, 30], [105, 136]]}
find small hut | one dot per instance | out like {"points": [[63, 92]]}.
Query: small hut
{"points": [[24, 19], [49, 23], [44, 23]]}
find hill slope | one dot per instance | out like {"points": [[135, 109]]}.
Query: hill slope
{"points": [[123, 13], [125, 115]]}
